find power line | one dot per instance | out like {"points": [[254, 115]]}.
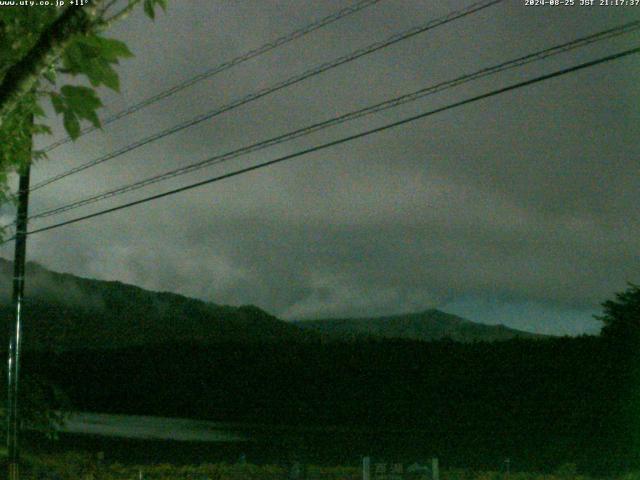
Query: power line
{"points": [[403, 99], [276, 87], [344, 139], [323, 22]]}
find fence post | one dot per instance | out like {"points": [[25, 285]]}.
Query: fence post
{"points": [[366, 468], [435, 471]]}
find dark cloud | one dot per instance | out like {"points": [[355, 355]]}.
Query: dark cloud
{"points": [[524, 199]]}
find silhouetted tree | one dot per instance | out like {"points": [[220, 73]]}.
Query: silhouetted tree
{"points": [[622, 316]]}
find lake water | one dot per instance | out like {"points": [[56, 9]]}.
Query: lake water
{"points": [[147, 439], [153, 428]]}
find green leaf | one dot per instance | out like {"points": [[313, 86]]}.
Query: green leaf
{"points": [[149, 7], [106, 75], [75, 103], [50, 76], [40, 128], [93, 56], [81, 98], [71, 124], [93, 118], [89, 48], [93, 71], [83, 102], [149, 10], [112, 49], [72, 58], [58, 103], [39, 155], [109, 49], [38, 111]]}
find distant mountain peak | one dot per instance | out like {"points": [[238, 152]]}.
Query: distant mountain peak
{"points": [[65, 311], [427, 325]]}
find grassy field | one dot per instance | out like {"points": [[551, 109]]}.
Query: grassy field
{"points": [[78, 466]]}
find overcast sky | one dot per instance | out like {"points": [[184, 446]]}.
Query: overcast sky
{"points": [[520, 209]]}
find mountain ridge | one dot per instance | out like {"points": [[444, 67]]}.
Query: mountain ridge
{"points": [[64, 311], [426, 325]]}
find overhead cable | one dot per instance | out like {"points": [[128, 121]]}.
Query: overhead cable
{"points": [[361, 5], [274, 88], [342, 140], [387, 104]]}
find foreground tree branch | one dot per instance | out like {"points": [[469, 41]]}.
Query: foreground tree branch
{"points": [[21, 78], [121, 15]]}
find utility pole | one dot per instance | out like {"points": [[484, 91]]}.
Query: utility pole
{"points": [[15, 327], [366, 468]]}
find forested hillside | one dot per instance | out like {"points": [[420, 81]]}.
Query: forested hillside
{"points": [[428, 325]]}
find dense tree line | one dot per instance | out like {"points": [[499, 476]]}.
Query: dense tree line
{"points": [[540, 402], [544, 402]]}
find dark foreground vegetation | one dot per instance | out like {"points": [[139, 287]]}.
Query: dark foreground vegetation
{"points": [[72, 466], [540, 402]]}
